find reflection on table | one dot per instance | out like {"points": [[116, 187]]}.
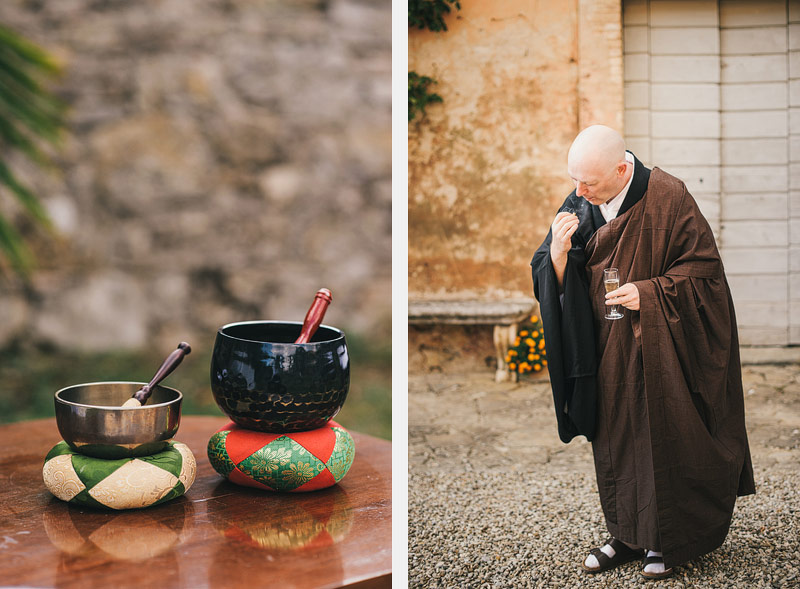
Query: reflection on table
{"points": [[128, 535], [294, 523]]}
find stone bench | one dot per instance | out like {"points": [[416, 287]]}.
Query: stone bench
{"points": [[504, 315]]}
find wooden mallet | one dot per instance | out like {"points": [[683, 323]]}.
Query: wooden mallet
{"points": [[314, 316], [140, 397]]}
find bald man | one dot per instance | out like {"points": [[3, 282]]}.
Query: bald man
{"points": [[658, 391]]}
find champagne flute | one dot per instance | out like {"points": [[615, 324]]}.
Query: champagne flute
{"points": [[611, 282]]}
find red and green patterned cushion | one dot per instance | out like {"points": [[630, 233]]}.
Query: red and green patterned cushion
{"points": [[294, 462]]}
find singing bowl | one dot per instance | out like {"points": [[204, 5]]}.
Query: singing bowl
{"points": [[263, 381], [91, 420]]}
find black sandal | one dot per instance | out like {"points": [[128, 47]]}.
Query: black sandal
{"points": [[622, 554], [654, 560]]}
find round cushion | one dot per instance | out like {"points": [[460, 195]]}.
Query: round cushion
{"points": [[295, 462], [125, 483]]}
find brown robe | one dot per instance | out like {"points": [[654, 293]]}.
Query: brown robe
{"points": [[670, 448]]}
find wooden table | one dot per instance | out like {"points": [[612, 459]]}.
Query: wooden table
{"points": [[217, 535]]}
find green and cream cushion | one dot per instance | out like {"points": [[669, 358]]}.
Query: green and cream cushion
{"points": [[125, 483], [294, 462]]}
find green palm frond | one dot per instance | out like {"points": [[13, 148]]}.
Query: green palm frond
{"points": [[13, 247], [30, 116]]}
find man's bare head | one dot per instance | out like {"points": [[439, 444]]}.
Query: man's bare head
{"points": [[596, 162]]}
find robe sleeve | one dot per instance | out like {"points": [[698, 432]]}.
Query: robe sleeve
{"points": [[569, 335], [691, 300]]}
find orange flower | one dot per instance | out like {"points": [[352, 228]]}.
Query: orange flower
{"points": [[523, 333], [535, 334], [534, 319], [512, 366], [537, 367], [541, 344]]}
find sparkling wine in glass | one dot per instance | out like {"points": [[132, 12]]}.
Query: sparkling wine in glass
{"points": [[611, 282]]}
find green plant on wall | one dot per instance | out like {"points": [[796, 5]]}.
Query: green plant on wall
{"points": [[418, 95], [425, 14], [429, 14], [30, 116]]}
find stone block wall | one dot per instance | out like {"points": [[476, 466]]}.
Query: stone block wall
{"points": [[225, 159], [672, 117], [710, 97]]}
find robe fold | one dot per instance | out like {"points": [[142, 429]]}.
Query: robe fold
{"points": [[669, 441]]}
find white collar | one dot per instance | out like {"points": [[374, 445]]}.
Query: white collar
{"points": [[610, 209]]}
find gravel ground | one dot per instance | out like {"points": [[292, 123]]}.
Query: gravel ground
{"points": [[533, 530], [492, 509]]}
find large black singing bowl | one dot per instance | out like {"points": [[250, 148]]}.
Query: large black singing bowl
{"points": [[265, 382]]}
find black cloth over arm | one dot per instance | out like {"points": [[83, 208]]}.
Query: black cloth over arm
{"points": [[569, 333], [568, 329]]}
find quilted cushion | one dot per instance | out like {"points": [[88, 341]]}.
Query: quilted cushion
{"points": [[126, 483], [295, 462]]}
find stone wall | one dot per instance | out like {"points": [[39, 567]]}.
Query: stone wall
{"points": [[225, 159], [487, 168]]}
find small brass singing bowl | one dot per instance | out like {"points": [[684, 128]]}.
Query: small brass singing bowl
{"points": [[92, 421]]}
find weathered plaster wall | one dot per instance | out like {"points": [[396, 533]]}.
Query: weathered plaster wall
{"points": [[487, 168]]}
